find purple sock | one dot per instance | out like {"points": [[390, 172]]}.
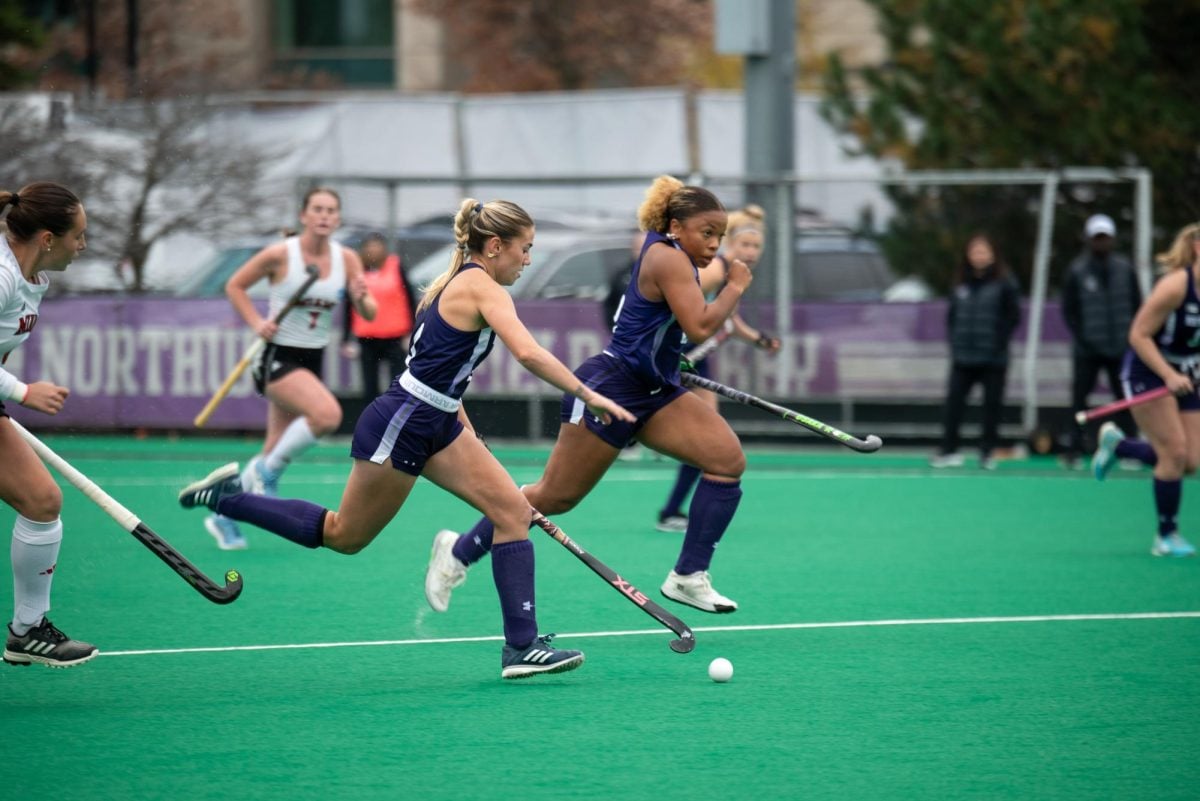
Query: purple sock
{"points": [[299, 521], [684, 482], [475, 544], [1167, 495], [512, 568], [1136, 449], [712, 508]]}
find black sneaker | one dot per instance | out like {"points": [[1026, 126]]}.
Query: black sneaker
{"points": [[538, 657], [46, 645], [209, 490]]}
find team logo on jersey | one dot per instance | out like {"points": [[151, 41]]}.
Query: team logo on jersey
{"points": [[25, 323], [1192, 308]]}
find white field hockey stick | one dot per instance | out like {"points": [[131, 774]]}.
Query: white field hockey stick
{"points": [[252, 352], [131, 523], [709, 345]]}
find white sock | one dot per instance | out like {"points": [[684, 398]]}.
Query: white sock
{"points": [[296, 439], [34, 554]]}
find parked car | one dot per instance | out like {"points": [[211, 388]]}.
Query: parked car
{"points": [[564, 263]]}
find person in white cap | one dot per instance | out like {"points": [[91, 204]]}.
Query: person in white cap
{"points": [[1100, 297]]}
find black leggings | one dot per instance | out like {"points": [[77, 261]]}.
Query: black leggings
{"points": [[374, 352], [962, 378]]}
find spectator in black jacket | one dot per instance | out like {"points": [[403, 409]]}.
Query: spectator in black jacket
{"points": [[984, 311], [1100, 297]]}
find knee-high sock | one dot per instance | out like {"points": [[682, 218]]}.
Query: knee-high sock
{"points": [[684, 481], [295, 440], [712, 508], [512, 569], [34, 555], [299, 521], [475, 544], [1167, 497], [1136, 449]]}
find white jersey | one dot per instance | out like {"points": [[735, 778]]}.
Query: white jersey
{"points": [[19, 301], [308, 324]]}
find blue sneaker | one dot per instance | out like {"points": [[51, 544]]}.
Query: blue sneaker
{"points": [[538, 657], [209, 490], [226, 532], [256, 478], [1106, 451], [1172, 545]]}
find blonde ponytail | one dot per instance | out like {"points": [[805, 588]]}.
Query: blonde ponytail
{"points": [[1182, 252]]}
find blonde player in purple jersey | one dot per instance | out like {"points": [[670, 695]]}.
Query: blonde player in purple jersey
{"points": [[1164, 342], [302, 409], [416, 428], [640, 370], [43, 228]]}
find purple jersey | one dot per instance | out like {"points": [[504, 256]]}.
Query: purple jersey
{"points": [[1179, 336], [646, 338], [441, 357]]}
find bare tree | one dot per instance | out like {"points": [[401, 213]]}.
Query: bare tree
{"points": [[169, 168]]}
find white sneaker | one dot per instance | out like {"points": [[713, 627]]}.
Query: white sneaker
{"points": [[947, 460], [672, 524], [697, 590], [445, 572], [258, 480]]}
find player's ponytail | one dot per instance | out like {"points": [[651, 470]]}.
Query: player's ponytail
{"points": [[474, 224], [669, 199]]}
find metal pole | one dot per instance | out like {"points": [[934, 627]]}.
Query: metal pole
{"points": [[1143, 226], [1037, 300]]}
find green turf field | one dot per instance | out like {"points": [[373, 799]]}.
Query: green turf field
{"points": [[902, 634]]}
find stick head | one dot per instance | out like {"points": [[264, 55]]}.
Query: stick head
{"points": [[684, 644]]}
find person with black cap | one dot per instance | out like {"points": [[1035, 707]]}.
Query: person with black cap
{"points": [[1100, 297]]}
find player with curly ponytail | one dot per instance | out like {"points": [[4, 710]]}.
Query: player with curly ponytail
{"points": [[640, 369]]}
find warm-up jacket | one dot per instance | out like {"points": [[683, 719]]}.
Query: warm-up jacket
{"points": [[1100, 297], [984, 312]]}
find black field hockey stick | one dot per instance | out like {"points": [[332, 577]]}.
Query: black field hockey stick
{"points": [[686, 641], [869, 445], [252, 352], [130, 522]]}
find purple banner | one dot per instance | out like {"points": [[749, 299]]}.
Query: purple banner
{"points": [[153, 362]]}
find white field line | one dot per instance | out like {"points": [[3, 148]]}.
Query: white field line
{"points": [[845, 624], [663, 476]]}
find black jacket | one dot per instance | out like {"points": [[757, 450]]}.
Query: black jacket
{"points": [[984, 312], [1100, 296]]}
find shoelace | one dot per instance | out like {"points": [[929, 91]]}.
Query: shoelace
{"points": [[49, 632]]}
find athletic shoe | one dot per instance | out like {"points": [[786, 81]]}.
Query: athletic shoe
{"points": [[210, 489], [1172, 545], [537, 657], [1106, 451], [445, 571], [672, 524], [947, 460], [987, 462], [256, 478], [697, 590], [46, 645], [226, 532]]}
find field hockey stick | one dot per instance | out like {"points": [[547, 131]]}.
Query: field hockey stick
{"points": [[130, 522], [1109, 409], [686, 641], [709, 345], [869, 445], [252, 352]]}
